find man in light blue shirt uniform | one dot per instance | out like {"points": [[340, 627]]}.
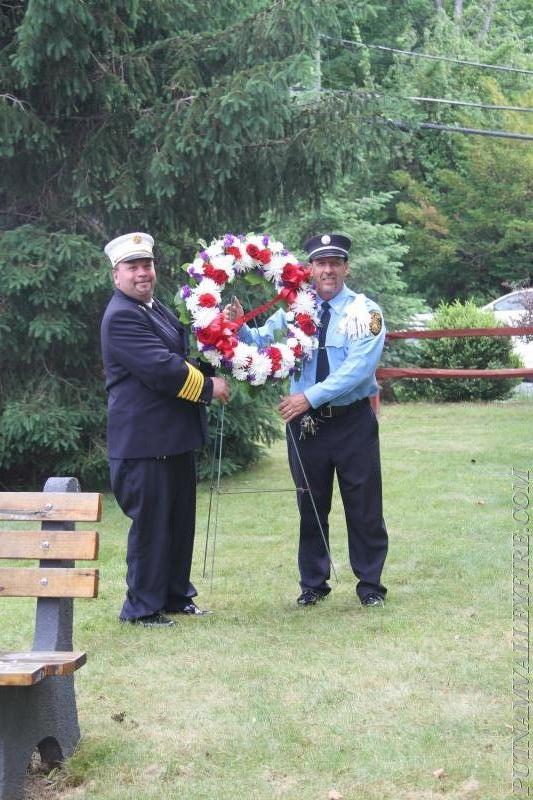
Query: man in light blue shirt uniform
{"points": [[333, 428]]}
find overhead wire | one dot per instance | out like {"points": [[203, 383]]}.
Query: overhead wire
{"points": [[440, 100], [466, 103], [443, 100], [409, 127], [459, 129], [431, 56]]}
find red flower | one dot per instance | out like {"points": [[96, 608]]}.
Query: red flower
{"points": [[290, 273], [220, 334], [298, 350], [264, 256], [207, 300], [217, 275], [253, 251], [234, 251], [306, 324], [275, 356], [292, 277]]}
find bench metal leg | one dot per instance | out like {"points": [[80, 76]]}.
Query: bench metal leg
{"points": [[42, 716]]}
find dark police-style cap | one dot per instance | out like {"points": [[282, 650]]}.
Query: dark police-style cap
{"points": [[328, 244]]}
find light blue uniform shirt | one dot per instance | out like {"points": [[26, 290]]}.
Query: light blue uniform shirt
{"points": [[352, 361]]}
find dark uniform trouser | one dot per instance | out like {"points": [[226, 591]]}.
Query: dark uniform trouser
{"points": [[159, 496], [349, 446]]}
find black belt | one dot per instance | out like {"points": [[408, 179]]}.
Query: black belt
{"points": [[327, 412]]}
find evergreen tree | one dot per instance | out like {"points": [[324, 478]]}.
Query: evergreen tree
{"points": [[184, 119]]}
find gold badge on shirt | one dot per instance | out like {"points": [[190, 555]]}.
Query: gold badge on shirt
{"points": [[375, 323]]}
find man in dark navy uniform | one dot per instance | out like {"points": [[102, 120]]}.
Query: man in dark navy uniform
{"points": [[332, 428], [156, 419]]}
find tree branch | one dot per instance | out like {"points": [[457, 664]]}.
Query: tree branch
{"points": [[487, 20]]}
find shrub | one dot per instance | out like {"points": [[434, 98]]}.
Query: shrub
{"points": [[481, 352]]}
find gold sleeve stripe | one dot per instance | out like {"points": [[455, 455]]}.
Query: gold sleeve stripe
{"points": [[194, 383]]}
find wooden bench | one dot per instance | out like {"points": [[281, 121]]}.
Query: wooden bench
{"points": [[37, 700]]}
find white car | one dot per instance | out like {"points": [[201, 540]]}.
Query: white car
{"points": [[516, 308]]}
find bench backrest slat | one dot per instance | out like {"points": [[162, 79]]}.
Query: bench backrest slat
{"points": [[69, 545], [48, 582], [51, 506]]}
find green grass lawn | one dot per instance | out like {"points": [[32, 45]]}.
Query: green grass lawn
{"points": [[263, 699]]}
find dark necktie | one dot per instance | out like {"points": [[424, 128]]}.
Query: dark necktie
{"points": [[322, 363]]}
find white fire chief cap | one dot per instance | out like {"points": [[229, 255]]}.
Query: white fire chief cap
{"points": [[129, 247]]}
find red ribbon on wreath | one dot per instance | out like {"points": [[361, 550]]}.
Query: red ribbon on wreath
{"points": [[220, 333], [292, 277]]}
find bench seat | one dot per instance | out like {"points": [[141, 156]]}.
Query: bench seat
{"points": [[26, 669]]}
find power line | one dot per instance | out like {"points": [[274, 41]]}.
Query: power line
{"points": [[444, 100], [404, 126], [481, 65], [476, 131]]}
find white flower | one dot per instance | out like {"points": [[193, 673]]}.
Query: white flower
{"points": [[240, 373], [213, 356], [308, 343], [240, 266], [274, 269], [260, 368], [204, 316], [286, 353], [191, 302], [208, 286], [257, 240], [305, 303], [242, 354], [216, 248]]}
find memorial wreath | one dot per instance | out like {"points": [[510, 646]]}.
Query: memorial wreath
{"points": [[222, 263]]}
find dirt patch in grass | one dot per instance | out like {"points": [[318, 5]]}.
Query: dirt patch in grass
{"points": [[42, 785]]}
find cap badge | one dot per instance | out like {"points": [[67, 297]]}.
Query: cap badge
{"points": [[137, 239], [326, 239]]}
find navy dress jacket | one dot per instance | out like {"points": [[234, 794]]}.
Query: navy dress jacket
{"points": [[144, 351]]}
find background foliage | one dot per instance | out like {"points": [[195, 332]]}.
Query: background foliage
{"points": [[192, 119]]}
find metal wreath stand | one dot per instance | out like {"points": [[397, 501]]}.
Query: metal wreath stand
{"points": [[216, 492]]}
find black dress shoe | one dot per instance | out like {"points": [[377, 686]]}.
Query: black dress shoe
{"points": [[156, 620], [310, 598], [191, 609], [373, 599]]}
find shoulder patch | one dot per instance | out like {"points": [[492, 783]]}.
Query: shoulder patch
{"points": [[375, 323]]}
